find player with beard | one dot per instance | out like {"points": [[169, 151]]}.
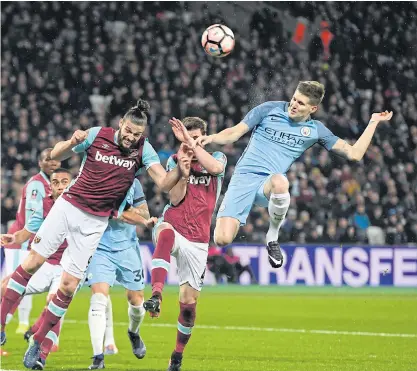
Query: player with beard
{"points": [[112, 158]]}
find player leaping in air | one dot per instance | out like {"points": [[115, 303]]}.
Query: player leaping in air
{"points": [[111, 160], [281, 133], [184, 229]]}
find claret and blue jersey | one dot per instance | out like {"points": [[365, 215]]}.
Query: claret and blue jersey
{"points": [[107, 171]]}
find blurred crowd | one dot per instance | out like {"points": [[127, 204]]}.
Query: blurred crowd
{"points": [[73, 65]]}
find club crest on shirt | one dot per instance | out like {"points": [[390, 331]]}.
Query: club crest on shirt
{"points": [[305, 131], [105, 146], [134, 153]]}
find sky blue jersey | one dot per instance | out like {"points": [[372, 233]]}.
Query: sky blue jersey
{"points": [[277, 141], [118, 235]]}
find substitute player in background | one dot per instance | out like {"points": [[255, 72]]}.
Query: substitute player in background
{"points": [[34, 191], [282, 132], [111, 160], [184, 228], [118, 258], [48, 277]]}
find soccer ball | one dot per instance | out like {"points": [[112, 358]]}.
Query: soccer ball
{"points": [[218, 40]]}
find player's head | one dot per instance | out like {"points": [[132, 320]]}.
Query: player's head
{"points": [[133, 124], [305, 100], [46, 164], [195, 126], [60, 179]]}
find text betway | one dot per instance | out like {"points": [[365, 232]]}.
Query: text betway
{"points": [[114, 160], [200, 180]]}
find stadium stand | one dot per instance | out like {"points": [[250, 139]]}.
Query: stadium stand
{"points": [[101, 57]]}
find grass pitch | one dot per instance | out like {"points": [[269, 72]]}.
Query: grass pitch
{"points": [[248, 328]]}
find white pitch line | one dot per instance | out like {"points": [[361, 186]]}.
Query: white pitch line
{"points": [[267, 329]]}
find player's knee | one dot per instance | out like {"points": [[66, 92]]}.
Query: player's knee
{"points": [[135, 297], [222, 237], [33, 262], [68, 285], [188, 299], [98, 303], [163, 227], [100, 288], [279, 184]]}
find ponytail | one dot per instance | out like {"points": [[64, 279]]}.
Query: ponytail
{"points": [[138, 114]]}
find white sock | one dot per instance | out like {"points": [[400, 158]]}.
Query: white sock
{"points": [[61, 321], [277, 208], [24, 309], [136, 316], [97, 321], [109, 333]]}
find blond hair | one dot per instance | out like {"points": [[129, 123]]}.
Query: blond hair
{"points": [[313, 90]]}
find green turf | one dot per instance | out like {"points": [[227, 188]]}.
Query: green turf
{"points": [[217, 346]]}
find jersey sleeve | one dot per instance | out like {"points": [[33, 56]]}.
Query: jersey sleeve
{"points": [[149, 155], [128, 200], [138, 195], [35, 194], [92, 134], [221, 157], [325, 137], [257, 114], [171, 164]]}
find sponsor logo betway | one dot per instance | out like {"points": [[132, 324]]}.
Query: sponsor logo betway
{"points": [[200, 180], [113, 160]]}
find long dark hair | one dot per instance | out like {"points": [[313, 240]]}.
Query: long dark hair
{"points": [[138, 114]]}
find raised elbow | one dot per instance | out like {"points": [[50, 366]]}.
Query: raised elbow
{"points": [[354, 156], [218, 170]]}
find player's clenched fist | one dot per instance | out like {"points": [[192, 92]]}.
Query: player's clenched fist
{"points": [[7, 239], [150, 223], [381, 116], [78, 137]]}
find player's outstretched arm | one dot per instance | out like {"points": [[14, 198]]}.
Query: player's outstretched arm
{"points": [[213, 166], [138, 215], [357, 151], [63, 150], [226, 136], [164, 180], [16, 238]]}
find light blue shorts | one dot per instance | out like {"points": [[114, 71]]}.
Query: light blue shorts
{"points": [[123, 266], [244, 190]]}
